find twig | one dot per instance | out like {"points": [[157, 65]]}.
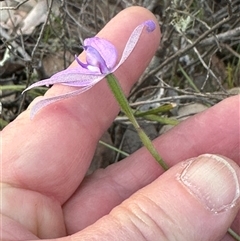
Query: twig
{"points": [[172, 99], [15, 7], [42, 29], [226, 46], [221, 37], [184, 50], [15, 46], [224, 11], [205, 65], [229, 7]]}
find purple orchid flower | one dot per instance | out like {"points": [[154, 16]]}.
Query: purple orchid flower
{"points": [[101, 58]]}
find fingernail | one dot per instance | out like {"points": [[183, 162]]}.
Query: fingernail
{"points": [[213, 181]]}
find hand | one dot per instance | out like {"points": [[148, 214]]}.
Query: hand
{"points": [[45, 193]]}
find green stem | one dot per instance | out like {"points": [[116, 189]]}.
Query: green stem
{"points": [[234, 234], [123, 102]]}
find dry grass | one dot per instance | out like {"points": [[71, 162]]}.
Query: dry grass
{"points": [[198, 59]]}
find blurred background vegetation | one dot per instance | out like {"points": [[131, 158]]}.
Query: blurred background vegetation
{"points": [[197, 62]]}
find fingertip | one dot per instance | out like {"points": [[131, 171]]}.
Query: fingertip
{"points": [[199, 194], [136, 14], [213, 180], [123, 24]]}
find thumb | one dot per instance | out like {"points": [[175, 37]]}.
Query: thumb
{"points": [[195, 200]]}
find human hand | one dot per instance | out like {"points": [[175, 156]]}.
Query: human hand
{"points": [[45, 193]]}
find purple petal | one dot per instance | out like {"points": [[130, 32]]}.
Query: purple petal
{"points": [[106, 49], [133, 39], [73, 77], [94, 59], [84, 78], [150, 25], [80, 63], [42, 103], [70, 77]]}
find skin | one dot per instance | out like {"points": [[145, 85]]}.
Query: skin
{"points": [[45, 193]]}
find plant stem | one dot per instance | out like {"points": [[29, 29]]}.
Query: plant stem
{"points": [[234, 234], [123, 102]]}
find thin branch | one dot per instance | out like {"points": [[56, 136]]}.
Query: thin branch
{"points": [[221, 37], [184, 50], [15, 7], [205, 65], [4, 35], [175, 98], [42, 30], [226, 46]]}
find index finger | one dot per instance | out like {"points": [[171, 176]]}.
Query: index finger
{"points": [[59, 143]]}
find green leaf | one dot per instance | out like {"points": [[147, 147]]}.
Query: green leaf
{"points": [[162, 120], [161, 109]]}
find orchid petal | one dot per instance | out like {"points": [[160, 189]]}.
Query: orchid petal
{"points": [[101, 57], [80, 63], [91, 80], [45, 102], [133, 39], [73, 77], [70, 77], [94, 59], [150, 24], [106, 49], [93, 69], [76, 70]]}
